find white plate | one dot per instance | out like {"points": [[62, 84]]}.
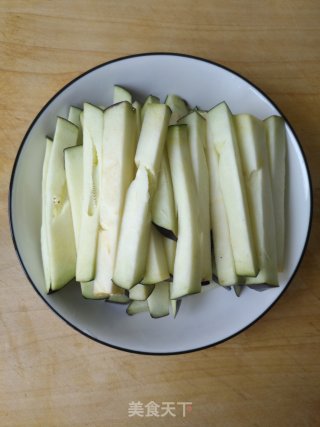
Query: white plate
{"points": [[204, 319]]}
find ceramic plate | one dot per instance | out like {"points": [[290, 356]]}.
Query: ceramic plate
{"points": [[205, 319]]}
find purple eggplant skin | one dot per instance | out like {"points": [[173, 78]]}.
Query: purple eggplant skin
{"points": [[166, 233], [262, 287]]}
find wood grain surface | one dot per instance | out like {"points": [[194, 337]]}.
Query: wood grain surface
{"points": [[51, 375]]}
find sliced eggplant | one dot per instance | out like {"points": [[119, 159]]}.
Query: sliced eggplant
{"points": [[140, 292], [178, 106], [187, 269], [223, 264], [170, 247], [87, 291], [44, 238], [157, 264], [121, 94], [59, 227], [252, 143], [159, 300], [277, 147], [197, 143], [152, 139], [224, 139], [137, 106], [149, 100], [131, 259], [92, 144], [73, 160], [163, 209], [136, 307], [118, 169]]}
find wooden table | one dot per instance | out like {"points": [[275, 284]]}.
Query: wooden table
{"points": [[51, 375]]}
